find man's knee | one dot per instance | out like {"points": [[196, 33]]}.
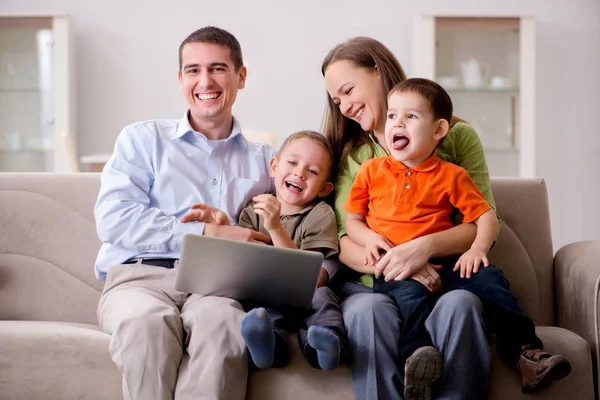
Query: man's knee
{"points": [[152, 320], [212, 310]]}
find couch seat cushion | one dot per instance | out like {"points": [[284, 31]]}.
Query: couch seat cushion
{"points": [[56, 360]]}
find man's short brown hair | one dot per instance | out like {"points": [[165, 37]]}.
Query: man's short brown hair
{"points": [[214, 35]]}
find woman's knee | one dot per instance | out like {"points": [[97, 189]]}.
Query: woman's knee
{"points": [[365, 309], [459, 301]]}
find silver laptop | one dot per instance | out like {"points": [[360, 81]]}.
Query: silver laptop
{"points": [[247, 271]]}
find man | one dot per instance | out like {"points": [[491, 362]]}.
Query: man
{"points": [[169, 344]]}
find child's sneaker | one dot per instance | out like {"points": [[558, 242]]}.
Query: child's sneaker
{"points": [[539, 369], [422, 369]]}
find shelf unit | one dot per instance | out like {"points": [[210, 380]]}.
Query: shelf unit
{"points": [[37, 93], [487, 65]]}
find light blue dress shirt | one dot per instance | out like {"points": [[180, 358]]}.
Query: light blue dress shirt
{"points": [[158, 169]]}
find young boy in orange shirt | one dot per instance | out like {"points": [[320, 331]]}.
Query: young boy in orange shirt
{"points": [[412, 193]]}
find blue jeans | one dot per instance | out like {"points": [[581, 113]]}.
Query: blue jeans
{"points": [[502, 309], [456, 327]]}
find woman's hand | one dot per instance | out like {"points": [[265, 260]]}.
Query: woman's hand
{"points": [[404, 260], [428, 277]]}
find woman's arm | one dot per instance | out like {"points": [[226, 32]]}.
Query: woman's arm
{"points": [[468, 153]]}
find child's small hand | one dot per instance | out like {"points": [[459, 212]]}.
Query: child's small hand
{"points": [[269, 207], [470, 261], [205, 213], [374, 243]]}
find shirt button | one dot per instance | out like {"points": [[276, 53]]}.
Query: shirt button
{"points": [[284, 226], [408, 173], [407, 186], [214, 181]]}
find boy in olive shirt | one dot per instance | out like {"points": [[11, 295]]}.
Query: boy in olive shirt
{"points": [[296, 217]]}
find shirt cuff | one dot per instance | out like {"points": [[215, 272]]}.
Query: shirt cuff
{"points": [[181, 228]]}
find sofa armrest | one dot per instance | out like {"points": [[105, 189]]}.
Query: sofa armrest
{"points": [[577, 282]]}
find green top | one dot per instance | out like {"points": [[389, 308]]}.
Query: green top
{"points": [[461, 147]]}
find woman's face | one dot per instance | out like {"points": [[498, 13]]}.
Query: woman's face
{"points": [[357, 92]]}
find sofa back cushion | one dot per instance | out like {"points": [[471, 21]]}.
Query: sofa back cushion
{"points": [[48, 245], [524, 248]]}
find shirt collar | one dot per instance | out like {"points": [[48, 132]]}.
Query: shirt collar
{"points": [[425, 166], [307, 208], [184, 127]]}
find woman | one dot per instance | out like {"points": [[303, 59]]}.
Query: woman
{"points": [[358, 75]]}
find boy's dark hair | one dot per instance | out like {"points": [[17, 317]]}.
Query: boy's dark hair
{"points": [[438, 99], [315, 137], [214, 35]]}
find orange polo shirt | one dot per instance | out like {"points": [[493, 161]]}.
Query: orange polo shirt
{"points": [[403, 203]]}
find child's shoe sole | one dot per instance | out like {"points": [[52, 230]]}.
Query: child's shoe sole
{"points": [[423, 368]]}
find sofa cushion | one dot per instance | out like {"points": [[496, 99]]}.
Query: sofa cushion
{"points": [[299, 381], [55, 360], [506, 383]]}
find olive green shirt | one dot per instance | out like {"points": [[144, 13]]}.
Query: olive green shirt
{"points": [[313, 228], [461, 147]]}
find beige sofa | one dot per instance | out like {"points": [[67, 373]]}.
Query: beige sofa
{"points": [[52, 348]]}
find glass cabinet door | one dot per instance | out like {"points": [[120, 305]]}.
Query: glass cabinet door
{"points": [[483, 62], [34, 130]]}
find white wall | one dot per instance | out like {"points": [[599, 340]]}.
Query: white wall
{"points": [[127, 65]]}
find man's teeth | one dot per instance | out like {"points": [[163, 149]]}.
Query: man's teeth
{"points": [[207, 96], [288, 184]]}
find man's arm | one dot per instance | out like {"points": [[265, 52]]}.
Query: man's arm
{"points": [[123, 213]]}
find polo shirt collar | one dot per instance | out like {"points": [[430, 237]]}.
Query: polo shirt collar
{"points": [[425, 166], [306, 209]]}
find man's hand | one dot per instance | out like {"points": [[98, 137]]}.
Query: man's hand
{"points": [[470, 261], [374, 245], [428, 277], [269, 207], [236, 233], [323, 278], [404, 260], [205, 213]]}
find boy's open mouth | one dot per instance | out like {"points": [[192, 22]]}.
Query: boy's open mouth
{"points": [[293, 186], [399, 142]]}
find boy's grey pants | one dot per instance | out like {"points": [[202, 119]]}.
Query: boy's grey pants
{"points": [[457, 330]]}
